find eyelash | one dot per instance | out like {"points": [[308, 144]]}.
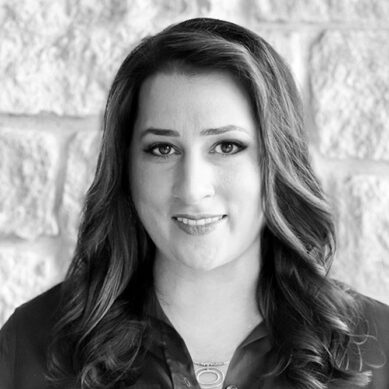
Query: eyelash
{"points": [[151, 149]]}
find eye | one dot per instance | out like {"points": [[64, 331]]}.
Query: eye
{"points": [[228, 147], [162, 150]]}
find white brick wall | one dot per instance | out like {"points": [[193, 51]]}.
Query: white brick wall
{"points": [[57, 60]]}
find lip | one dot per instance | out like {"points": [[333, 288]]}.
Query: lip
{"points": [[198, 229], [198, 217]]}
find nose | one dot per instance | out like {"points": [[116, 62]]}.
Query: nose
{"points": [[193, 180]]}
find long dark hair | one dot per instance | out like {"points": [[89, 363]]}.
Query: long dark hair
{"points": [[100, 337]]}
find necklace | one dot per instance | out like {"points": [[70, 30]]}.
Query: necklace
{"points": [[209, 375]]}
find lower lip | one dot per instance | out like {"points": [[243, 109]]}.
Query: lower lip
{"points": [[198, 230]]}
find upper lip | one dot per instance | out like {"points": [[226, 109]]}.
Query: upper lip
{"points": [[197, 217]]}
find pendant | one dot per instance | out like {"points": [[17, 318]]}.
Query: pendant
{"points": [[209, 377]]}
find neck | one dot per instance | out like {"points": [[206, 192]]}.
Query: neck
{"points": [[199, 303], [181, 287]]}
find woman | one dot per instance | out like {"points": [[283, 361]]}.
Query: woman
{"points": [[203, 253]]}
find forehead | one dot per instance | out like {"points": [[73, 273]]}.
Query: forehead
{"points": [[196, 99]]}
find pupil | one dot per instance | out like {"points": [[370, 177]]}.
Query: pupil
{"points": [[227, 147], [164, 149]]}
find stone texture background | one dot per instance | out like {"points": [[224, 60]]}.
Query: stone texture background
{"points": [[57, 59]]}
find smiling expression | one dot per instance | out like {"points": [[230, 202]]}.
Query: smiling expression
{"points": [[194, 169]]}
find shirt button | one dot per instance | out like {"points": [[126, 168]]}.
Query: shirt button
{"points": [[231, 387]]}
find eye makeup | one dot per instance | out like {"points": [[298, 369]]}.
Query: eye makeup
{"points": [[160, 150], [223, 148]]}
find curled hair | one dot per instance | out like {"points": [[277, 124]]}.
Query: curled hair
{"points": [[101, 337]]}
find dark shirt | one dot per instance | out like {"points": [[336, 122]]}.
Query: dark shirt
{"points": [[168, 365]]}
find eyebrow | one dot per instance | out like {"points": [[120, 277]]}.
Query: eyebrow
{"points": [[208, 131]]}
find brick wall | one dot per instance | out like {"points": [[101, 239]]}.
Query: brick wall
{"points": [[57, 59]]}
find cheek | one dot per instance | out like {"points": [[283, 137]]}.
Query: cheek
{"points": [[149, 189], [243, 180], [147, 201], [242, 189]]}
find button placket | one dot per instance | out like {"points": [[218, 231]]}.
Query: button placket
{"points": [[178, 360]]}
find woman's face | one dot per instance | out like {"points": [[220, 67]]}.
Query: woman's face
{"points": [[194, 169]]}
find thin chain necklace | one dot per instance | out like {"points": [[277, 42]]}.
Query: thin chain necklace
{"points": [[209, 375]]}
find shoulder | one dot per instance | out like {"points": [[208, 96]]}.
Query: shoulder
{"points": [[374, 343], [375, 313], [38, 314], [373, 317], [24, 340], [45, 302]]}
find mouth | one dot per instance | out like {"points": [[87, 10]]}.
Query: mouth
{"points": [[199, 224], [198, 221]]}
